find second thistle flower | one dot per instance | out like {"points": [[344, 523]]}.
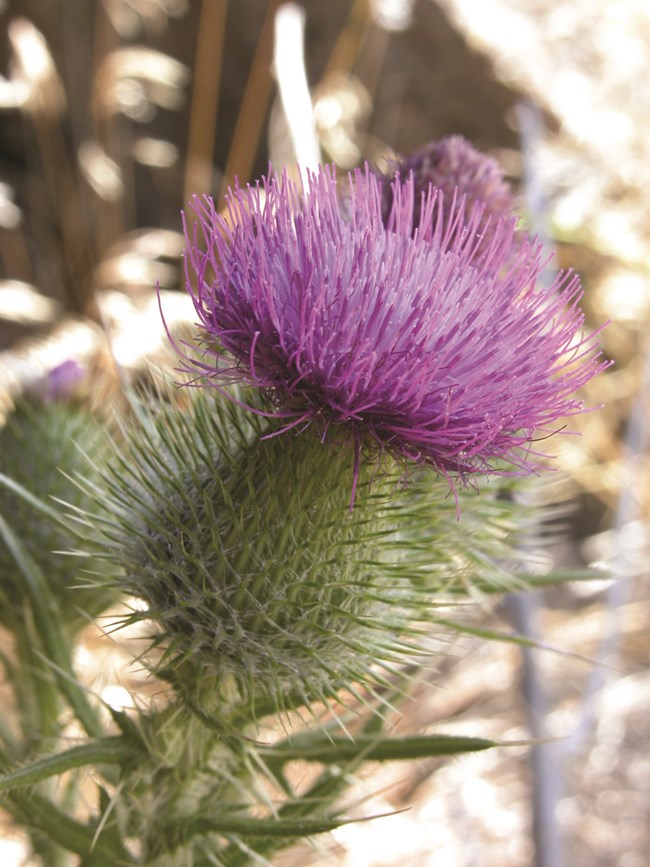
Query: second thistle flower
{"points": [[404, 334]]}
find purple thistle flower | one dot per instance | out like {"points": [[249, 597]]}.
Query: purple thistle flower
{"points": [[400, 333], [455, 167], [61, 382]]}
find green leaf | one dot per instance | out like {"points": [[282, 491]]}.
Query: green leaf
{"points": [[37, 813], [105, 751], [48, 622], [522, 581], [34, 502], [337, 749], [178, 833], [511, 638]]}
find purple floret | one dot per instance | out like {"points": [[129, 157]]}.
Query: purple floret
{"points": [[409, 338], [455, 167], [60, 383]]}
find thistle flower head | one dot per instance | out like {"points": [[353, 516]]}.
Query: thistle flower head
{"points": [[453, 166], [60, 383], [404, 336]]}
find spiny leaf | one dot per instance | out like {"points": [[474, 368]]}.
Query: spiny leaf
{"points": [[35, 502], [519, 581], [179, 832], [113, 750], [48, 621], [338, 749], [511, 638], [36, 812]]}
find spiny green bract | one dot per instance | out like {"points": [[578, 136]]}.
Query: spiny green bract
{"points": [[43, 445], [245, 550], [252, 565]]}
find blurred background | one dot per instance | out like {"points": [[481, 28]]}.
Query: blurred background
{"points": [[113, 112]]}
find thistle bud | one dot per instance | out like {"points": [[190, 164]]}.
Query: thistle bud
{"points": [[46, 440], [245, 552]]}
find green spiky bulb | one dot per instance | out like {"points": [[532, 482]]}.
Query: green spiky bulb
{"points": [[261, 583], [46, 440], [246, 553], [264, 591]]}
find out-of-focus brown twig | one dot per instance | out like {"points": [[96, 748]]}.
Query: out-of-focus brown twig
{"points": [[255, 100], [205, 97]]}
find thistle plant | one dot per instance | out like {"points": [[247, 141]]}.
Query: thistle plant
{"points": [[293, 526]]}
